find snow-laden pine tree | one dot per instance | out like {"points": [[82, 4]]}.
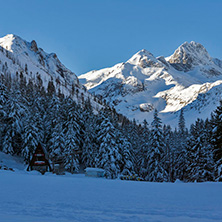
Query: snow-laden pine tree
{"points": [[126, 163], [72, 137], [181, 123], [144, 138], [179, 145], [145, 146], [169, 152], [40, 116], [33, 130], [30, 137], [199, 155], [217, 141], [155, 170], [53, 124], [134, 136], [3, 112], [15, 111], [90, 148], [109, 156], [56, 143]]}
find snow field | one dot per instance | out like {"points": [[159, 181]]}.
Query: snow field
{"points": [[33, 197]]}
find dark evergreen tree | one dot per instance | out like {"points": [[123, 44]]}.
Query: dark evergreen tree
{"points": [[125, 164], [72, 137], [179, 147], [3, 111], [30, 138], [169, 152], [181, 123], [14, 124], [109, 155], [199, 155], [154, 165], [217, 140], [51, 88], [90, 147], [132, 133]]}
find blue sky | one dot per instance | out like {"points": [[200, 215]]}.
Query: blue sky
{"points": [[93, 34]]}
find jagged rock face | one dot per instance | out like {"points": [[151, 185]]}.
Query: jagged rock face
{"points": [[34, 46], [218, 62], [144, 83], [146, 107], [163, 61], [146, 62], [189, 55]]}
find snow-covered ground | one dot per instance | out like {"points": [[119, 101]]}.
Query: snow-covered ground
{"points": [[29, 196]]}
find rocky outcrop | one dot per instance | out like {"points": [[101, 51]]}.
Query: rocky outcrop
{"points": [[34, 46], [189, 55]]}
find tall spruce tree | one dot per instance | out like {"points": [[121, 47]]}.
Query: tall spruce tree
{"points": [[169, 152], [155, 170], [90, 148], [30, 137], [3, 111], [199, 155], [109, 155], [181, 123], [180, 140], [217, 140], [14, 123], [125, 164], [72, 137]]}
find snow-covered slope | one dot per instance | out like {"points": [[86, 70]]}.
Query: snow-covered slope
{"points": [[71, 198], [12, 163], [145, 83], [18, 55]]}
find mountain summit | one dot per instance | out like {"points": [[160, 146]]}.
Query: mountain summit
{"points": [[29, 53], [187, 79], [189, 55], [19, 56], [144, 59]]}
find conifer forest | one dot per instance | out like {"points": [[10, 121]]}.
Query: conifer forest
{"points": [[30, 114]]}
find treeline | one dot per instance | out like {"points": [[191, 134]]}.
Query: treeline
{"points": [[30, 114]]}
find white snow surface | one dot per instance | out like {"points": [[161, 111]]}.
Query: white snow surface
{"points": [[167, 84], [9, 161], [32, 197]]}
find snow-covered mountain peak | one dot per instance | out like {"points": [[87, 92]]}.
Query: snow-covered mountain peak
{"points": [[7, 41], [29, 53], [144, 59], [144, 83], [36, 65], [189, 55], [17, 45]]}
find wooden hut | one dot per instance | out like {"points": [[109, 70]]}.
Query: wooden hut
{"points": [[39, 160]]}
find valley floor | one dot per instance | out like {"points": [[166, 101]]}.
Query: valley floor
{"points": [[31, 197]]}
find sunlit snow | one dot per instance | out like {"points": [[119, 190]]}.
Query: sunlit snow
{"points": [[31, 197]]}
